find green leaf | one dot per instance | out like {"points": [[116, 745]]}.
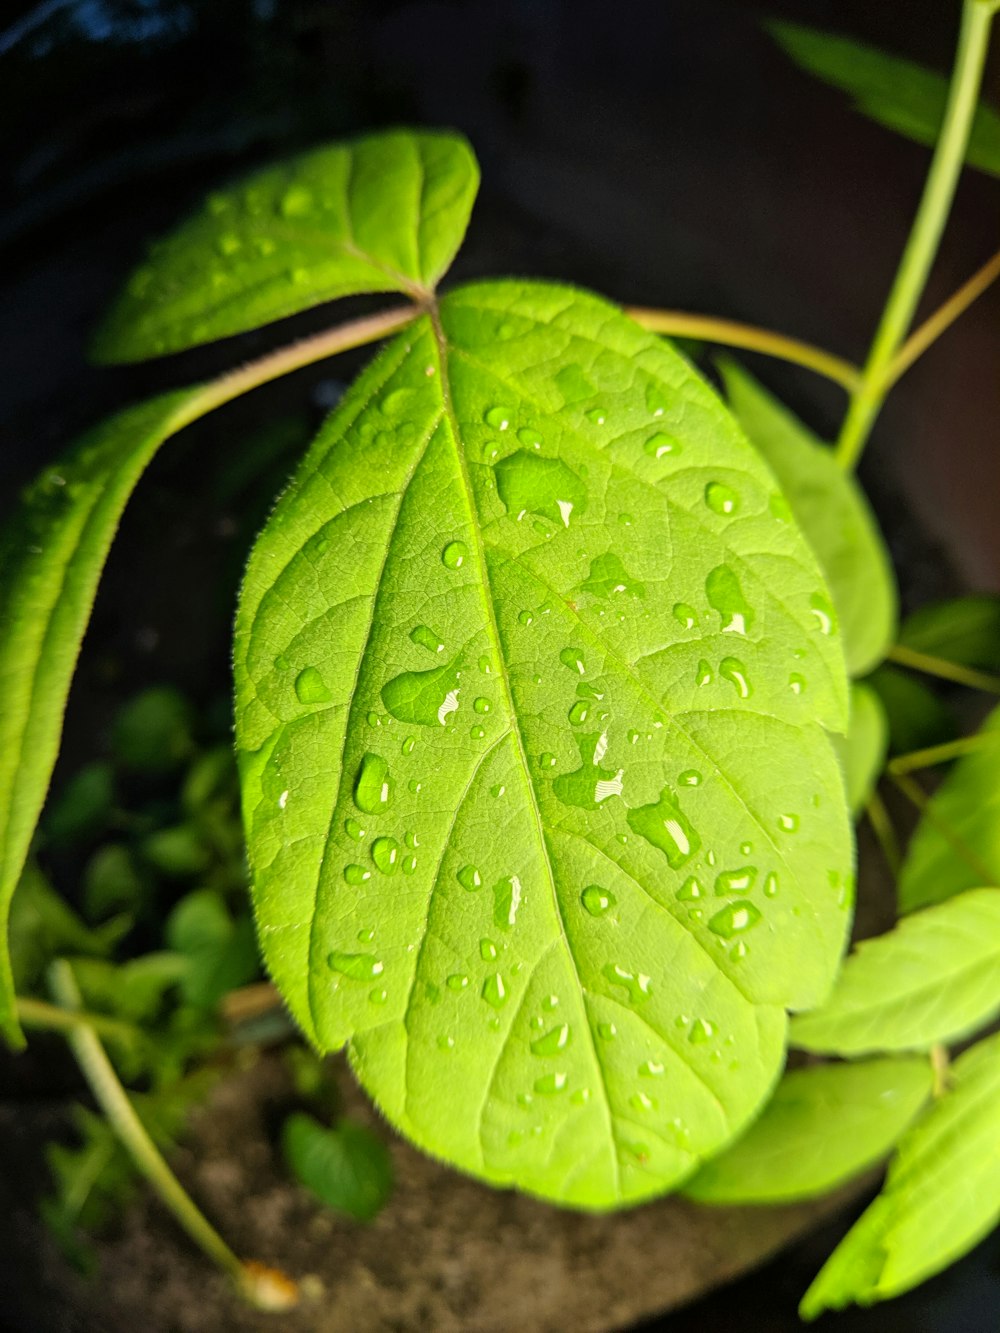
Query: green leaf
{"points": [[384, 213], [84, 807], [957, 842], [916, 716], [862, 752], [823, 1125], [152, 732], [347, 1167], [933, 978], [113, 883], [51, 558], [221, 952], [941, 1196], [965, 630], [42, 925], [894, 92], [542, 817], [832, 511]]}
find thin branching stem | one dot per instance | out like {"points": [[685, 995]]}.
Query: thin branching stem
{"points": [[914, 793], [943, 669], [937, 754]]}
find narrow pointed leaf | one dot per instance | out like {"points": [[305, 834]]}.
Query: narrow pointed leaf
{"points": [[51, 558], [832, 511], [542, 818], [941, 1196], [934, 978], [823, 1126], [889, 89], [862, 751], [957, 842], [385, 213], [965, 630]]}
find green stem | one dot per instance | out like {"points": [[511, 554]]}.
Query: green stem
{"points": [[113, 1100], [40, 1015], [730, 333], [925, 235], [937, 754], [943, 669], [882, 827], [940, 1070]]}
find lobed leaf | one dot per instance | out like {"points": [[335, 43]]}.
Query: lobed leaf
{"points": [[51, 557], [531, 688], [385, 213], [933, 978], [941, 1196], [824, 1125], [889, 89], [863, 750], [957, 843], [832, 511]]}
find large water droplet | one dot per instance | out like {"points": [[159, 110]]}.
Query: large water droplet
{"points": [[499, 417], [637, 986], [572, 658], [426, 697], [530, 437], [721, 499], [609, 576], [590, 784], [554, 1041], [685, 615], [454, 555], [607, 1031], [651, 1069], [796, 683], [736, 881], [355, 874], [661, 445], [578, 712], [427, 639], [656, 401], [822, 609], [487, 950], [665, 826], [703, 675], [689, 778], [470, 878], [357, 966], [733, 670], [385, 854], [596, 900], [788, 823], [701, 1030], [481, 705], [373, 786], [353, 829], [528, 483], [725, 595], [458, 981], [734, 919], [549, 1084], [689, 891], [494, 991], [310, 687], [506, 901]]}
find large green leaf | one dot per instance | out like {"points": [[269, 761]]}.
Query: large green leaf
{"points": [[862, 751], [957, 842], [542, 817], [941, 1196], [934, 978], [384, 213], [51, 558], [822, 1126], [894, 92], [964, 630], [832, 511]]}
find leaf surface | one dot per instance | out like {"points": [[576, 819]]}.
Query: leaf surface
{"points": [[822, 1126], [346, 1167], [957, 843], [832, 511], [385, 213], [965, 630], [862, 751], [941, 1196], [934, 978], [894, 92], [51, 557], [542, 818]]}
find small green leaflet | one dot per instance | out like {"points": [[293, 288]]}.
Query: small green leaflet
{"points": [[894, 92], [833, 513], [916, 717], [385, 213], [862, 751], [346, 1167], [51, 558], [941, 1196], [543, 819], [967, 804], [934, 978], [822, 1126], [965, 630]]}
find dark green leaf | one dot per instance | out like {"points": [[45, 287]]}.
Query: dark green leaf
{"points": [[894, 92], [543, 817], [221, 953], [83, 808], [916, 716], [941, 1196], [113, 883], [347, 1167], [934, 978], [43, 925], [385, 213], [965, 630], [178, 853], [152, 733], [822, 1126], [957, 842], [832, 511]]}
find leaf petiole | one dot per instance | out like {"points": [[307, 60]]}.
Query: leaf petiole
{"points": [[44, 1017], [885, 833], [943, 669], [937, 754]]}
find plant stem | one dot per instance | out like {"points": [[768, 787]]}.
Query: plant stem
{"points": [[355, 333], [729, 333], [113, 1100], [925, 234], [940, 1069], [942, 668], [936, 754], [916, 794], [885, 834], [42, 1016], [932, 328]]}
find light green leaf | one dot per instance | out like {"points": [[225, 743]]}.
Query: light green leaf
{"points": [[934, 978], [832, 511], [385, 213], [346, 1167], [941, 1196], [965, 630], [917, 718], [43, 925], [51, 558], [862, 751], [822, 1126], [542, 817], [957, 842], [894, 92], [220, 951]]}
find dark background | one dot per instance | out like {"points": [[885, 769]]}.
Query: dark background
{"points": [[661, 151]]}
